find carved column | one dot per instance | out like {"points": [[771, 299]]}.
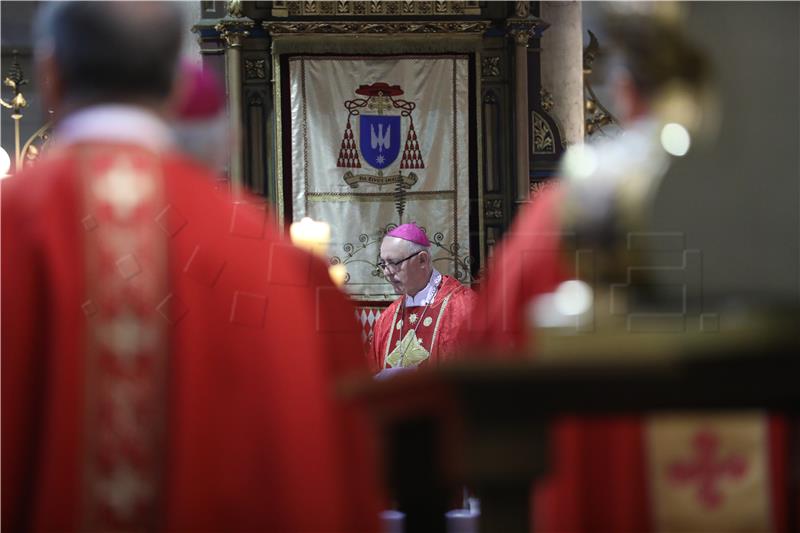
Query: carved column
{"points": [[522, 27], [561, 66], [233, 33], [521, 105]]}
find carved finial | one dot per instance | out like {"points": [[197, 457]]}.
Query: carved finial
{"points": [[16, 80], [235, 8], [590, 52], [546, 99], [596, 116]]}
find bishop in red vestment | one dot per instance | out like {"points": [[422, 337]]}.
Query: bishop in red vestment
{"points": [[168, 358], [422, 326]]}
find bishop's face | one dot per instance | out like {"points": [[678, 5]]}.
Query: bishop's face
{"points": [[407, 273]]}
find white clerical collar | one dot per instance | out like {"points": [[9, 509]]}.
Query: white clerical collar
{"points": [[115, 123], [426, 295]]}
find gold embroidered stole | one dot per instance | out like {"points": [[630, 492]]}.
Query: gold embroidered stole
{"points": [[410, 350]]}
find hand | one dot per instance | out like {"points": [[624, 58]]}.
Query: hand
{"points": [[387, 373]]}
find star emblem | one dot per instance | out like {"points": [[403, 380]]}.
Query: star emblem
{"points": [[123, 491], [380, 159], [124, 399], [123, 187], [127, 335]]}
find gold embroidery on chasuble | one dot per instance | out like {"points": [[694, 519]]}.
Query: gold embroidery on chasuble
{"points": [[408, 353], [126, 347], [410, 350]]}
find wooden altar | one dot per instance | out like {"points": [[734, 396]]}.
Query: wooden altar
{"points": [[483, 423]]}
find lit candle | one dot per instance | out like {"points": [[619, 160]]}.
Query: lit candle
{"points": [[311, 235], [5, 163], [338, 273]]}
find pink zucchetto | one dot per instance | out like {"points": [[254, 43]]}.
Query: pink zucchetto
{"points": [[203, 94], [410, 232], [201, 126]]}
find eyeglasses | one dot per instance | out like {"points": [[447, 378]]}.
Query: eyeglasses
{"points": [[383, 265]]}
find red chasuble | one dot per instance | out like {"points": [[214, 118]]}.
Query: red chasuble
{"points": [[630, 474], [168, 358], [423, 335]]}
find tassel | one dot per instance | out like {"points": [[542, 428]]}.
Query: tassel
{"points": [[348, 153]]}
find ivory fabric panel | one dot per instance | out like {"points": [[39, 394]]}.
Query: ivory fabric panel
{"points": [[377, 141]]}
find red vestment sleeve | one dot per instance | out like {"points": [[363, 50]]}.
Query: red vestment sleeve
{"points": [[451, 337], [22, 354], [527, 263], [381, 336]]}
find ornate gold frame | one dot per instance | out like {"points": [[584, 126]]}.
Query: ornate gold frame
{"points": [[350, 8]]}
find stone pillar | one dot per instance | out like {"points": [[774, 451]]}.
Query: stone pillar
{"points": [[522, 27], [233, 32], [562, 66], [521, 127]]}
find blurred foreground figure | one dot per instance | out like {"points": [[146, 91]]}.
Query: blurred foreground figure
{"points": [[624, 474], [167, 359]]}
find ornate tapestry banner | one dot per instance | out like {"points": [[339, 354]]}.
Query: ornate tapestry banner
{"points": [[378, 141]]}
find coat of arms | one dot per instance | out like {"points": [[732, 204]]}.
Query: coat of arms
{"points": [[380, 118]]}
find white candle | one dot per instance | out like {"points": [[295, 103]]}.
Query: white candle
{"points": [[311, 235], [5, 163], [338, 273]]}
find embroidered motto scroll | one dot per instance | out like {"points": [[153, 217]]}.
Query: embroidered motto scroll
{"points": [[377, 141]]}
